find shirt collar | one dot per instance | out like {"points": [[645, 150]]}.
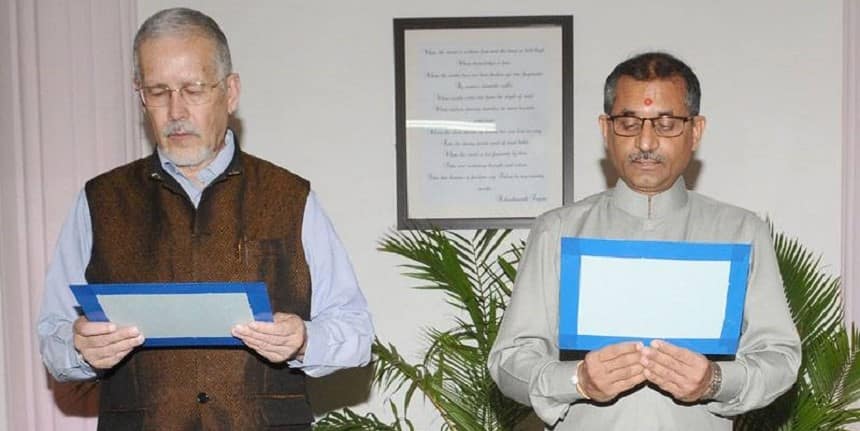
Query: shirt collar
{"points": [[657, 206], [212, 170]]}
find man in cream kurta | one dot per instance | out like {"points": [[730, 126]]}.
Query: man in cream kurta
{"points": [[651, 128]]}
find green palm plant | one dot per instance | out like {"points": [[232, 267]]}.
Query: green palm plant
{"points": [[829, 376], [475, 274]]}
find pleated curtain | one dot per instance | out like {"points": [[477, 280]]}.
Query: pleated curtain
{"points": [[67, 113]]}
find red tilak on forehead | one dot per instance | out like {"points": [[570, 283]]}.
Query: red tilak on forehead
{"points": [[648, 101]]}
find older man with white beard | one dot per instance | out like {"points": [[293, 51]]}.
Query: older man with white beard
{"points": [[201, 209]]}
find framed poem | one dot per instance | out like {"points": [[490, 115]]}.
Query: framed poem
{"points": [[484, 120]]}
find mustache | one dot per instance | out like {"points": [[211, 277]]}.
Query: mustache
{"points": [[645, 156], [179, 127]]}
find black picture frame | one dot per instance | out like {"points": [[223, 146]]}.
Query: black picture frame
{"points": [[525, 51]]}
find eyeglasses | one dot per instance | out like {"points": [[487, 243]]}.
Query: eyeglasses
{"points": [[193, 93], [666, 126]]}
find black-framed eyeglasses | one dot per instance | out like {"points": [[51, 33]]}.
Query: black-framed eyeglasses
{"points": [[666, 126], [192, 93]]}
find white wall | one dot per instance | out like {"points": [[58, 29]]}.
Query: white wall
{"points": [[318, 98]]}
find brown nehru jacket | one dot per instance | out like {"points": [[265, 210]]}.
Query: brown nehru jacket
{"points": [[247, 227]]}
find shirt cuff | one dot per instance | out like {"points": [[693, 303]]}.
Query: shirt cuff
{"points": [[555, 381], [552, 392], [73, 367], [314, 345], [734, 378]]}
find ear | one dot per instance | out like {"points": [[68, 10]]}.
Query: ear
{"points": [[137, 88], [234, 87], [605, 128], [698, 129]]}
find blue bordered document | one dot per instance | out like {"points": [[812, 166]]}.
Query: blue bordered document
{"points": [[689, 294], [177, 314]]}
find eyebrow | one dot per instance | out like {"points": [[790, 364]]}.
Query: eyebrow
{"points": [[181, 84]]}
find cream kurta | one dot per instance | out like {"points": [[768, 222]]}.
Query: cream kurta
{"points": [[524, 360]]}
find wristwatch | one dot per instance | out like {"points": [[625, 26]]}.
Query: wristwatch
{"points": [[715, 383]]}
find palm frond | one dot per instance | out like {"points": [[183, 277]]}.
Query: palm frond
{"points": [[813, 296], [348, 420], [829, 377]]}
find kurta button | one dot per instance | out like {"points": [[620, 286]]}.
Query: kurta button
{"points": [[202, 398]]}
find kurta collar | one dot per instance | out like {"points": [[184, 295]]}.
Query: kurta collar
{"points": [[651, 207]]}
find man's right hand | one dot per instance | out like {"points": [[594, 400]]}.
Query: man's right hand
{"points": [[607, 372], [102, 344]]}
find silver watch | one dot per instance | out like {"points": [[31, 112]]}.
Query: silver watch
{"points": [[715, 383]]}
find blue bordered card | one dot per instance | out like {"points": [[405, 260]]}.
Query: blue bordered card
{"points": [[689, 294], [177, 314]]}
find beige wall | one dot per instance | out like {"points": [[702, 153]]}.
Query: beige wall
{"points": [[318, 98]]}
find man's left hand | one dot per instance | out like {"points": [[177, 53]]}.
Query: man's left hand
{"points": [[278, 341], [683, 373]]}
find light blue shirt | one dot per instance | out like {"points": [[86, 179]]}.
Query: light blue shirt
{"points": [[340, 331]]}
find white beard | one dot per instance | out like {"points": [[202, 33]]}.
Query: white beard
{"points": [[188, 157]]}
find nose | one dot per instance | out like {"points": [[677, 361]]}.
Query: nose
{"points": [[648, 140], [176, 107]]}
